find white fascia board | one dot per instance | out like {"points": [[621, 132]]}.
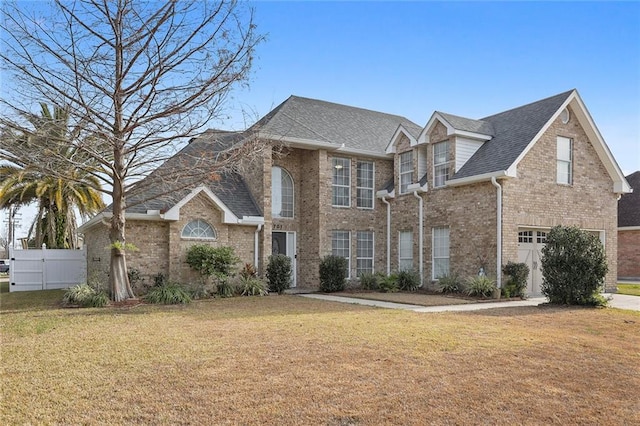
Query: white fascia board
{"points": [[227, 217], [416, 187], [401, 130], [364, 153], [93, 222], [423, 138], [629, 228], [128, 216], [251, 220], [471, 135], [298, 142], [477, 178]]}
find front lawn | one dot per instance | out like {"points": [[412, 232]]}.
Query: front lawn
{"points": [[289, 360], [630, 289]]}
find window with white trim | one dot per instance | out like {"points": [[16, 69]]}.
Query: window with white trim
{"points": [[341, 182], [564, 160], [364, 253], [364, 184], [199, 229], [281, 193], [405, 250], [406, 171], [341, 246], [441, 166], [440, 252]]}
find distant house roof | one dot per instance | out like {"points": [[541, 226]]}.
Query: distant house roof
{"points": [[512, 132], [629, 204], [325, 122]]}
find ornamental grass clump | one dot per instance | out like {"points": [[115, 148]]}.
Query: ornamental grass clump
{"points": [[86, 296], [168, 294]]}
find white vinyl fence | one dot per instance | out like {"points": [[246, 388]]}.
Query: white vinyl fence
{"points": [[42, 269]]}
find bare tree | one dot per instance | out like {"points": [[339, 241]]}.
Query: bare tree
{"points": [[139, 79]]}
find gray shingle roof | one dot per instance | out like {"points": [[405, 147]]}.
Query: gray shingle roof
{"points": [[179, 175], [467, 124], [513, 130], [328, 122], [629, 204]]}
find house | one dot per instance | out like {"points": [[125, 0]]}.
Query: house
{"points": [[458, 195], [629, 231]]}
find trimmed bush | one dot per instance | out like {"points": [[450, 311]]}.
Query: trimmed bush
{"points": [[389, 284], [212, 261], [450, 284], [517, 282], [168, 294], [481, 286], [369, 281], [333, 273], [573, 267], [279, 273], [408, 280]]}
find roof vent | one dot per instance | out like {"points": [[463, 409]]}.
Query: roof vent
{"points": [[565, 116]]}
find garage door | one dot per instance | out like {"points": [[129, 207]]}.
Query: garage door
{"points": [[530, 244]]}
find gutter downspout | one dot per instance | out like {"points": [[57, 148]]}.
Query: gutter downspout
{"points": [[498, 232], [421, 236], [384, 200], [256, 257]]}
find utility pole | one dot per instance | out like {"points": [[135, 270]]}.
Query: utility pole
{"points": [[13, 219]]}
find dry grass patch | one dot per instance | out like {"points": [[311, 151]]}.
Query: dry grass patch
{"points": [[288, 360]]}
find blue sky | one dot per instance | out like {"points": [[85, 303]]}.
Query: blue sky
{"points": [[471, 59]]}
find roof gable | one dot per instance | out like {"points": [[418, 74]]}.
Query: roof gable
{"points": [[456, 125]]}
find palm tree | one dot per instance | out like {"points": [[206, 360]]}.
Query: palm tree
{"points": [[58, 197]]}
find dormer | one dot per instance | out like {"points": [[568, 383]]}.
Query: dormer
{"points": [[448, 141]]}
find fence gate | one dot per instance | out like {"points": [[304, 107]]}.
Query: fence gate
{"points": [[43, 269]]}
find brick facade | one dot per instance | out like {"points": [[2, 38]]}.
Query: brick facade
{"points": [[629, 253], [530, 200]]}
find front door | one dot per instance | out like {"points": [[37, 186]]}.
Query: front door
{"points": [[285, 243], [530, 244]]}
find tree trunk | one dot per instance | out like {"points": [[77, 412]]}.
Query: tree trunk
{"points": [[118, 278]]}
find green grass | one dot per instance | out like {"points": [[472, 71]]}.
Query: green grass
{"points": [[288, 360], [630, 289]]}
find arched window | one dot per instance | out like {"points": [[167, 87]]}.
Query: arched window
{"points": [[199, 229], [281, 193]]}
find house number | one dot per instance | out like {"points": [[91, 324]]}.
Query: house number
{"points": [[277, 226]]}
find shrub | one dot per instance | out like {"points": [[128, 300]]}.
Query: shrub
{"points": [[450, 284], [517, 282], [389, 284], [134, 276], [333, 273], [224, 288], [85, 296], [369, 281], [573, 267], [212, 261], [168, 294], [279, 273], [480, 285], [159, 279], [251, 286], [408, 280]]}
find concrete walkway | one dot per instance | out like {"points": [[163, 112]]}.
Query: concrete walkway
{"points": [[619, 301]]}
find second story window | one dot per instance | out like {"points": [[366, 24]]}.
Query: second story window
{"points": [[406, 170], [441, 167], [281, 193], [564, 160], [341, 182], [364, 185]]}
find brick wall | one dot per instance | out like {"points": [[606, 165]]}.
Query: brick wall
{"points": [[629, 253], [535, 200]]}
